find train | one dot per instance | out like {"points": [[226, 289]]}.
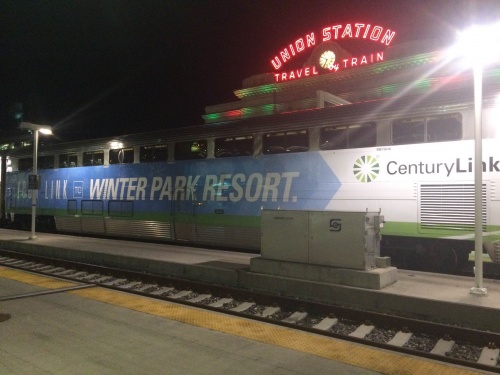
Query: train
{"points": [[409, 157]]}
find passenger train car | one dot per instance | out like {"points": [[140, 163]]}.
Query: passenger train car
{"points": [[409, 157]]}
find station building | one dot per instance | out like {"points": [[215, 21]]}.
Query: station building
{"points": [[325, 73]]}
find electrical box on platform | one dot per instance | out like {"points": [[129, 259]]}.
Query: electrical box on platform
{"points": [[326, 238]]}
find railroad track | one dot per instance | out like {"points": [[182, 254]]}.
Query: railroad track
{"points": [[456, 345]]}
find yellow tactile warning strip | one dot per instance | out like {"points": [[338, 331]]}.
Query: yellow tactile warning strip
{"points": [[345, 352], [33, 279]]}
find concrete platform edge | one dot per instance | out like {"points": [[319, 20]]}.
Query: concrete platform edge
{"points": [[477, 317], [376, 279], [199, 272]]}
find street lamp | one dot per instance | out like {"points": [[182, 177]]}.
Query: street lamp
{"points": [[34, 182], [479, 45]]}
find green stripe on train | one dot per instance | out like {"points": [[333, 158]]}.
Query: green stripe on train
{"points": [[408, 229]]}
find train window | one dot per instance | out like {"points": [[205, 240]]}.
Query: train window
{"points": [[153, 153], [297, 141], [121, 156], [92, 207], [72, 207], [45, 162], [68, 160], [25, 164], [93, 158], [274, 143], [121, 208], [363, 135], [190, 150], [333, 138], [433, 129], [444, 128], [406, 131], [234, 146], [348, 136], [283, 142]]}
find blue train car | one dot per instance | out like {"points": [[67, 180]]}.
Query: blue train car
{"points": [[212, 201]]}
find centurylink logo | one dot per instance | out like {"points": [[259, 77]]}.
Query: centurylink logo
{"points": [[366, 168]]}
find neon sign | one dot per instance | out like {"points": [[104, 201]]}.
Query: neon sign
{"points": [[377, 34], [330, 65]]}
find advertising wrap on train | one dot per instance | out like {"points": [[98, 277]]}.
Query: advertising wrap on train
{"points": [[278, 181]]}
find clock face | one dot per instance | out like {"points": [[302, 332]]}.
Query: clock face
{"points": [[327, 59]]}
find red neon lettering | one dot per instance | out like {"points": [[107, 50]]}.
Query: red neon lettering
{"points": [[311, 41], [380, 56], [327, 35], [299, 45], [354, 61], [276, 63], [388, 37], [285, 55], [377, 30], [356, 30], [366, 31], [358, 26], [336, 28], [347, 31], [298, 73], [345, 62]]}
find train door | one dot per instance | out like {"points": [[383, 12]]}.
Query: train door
{"points": [[184, 214]]}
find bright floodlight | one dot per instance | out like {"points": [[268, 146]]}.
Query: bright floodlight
{"points": [[479, 44], [44, 129]]}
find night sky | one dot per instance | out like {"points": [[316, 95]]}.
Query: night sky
{"points": [[102, 68]]}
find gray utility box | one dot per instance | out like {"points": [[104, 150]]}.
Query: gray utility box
{"points": [[326, 238]]}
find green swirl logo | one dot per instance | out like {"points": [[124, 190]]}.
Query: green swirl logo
{"points": [[366, 168]]}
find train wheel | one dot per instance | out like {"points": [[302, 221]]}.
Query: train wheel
{"points": [[437, 257]]}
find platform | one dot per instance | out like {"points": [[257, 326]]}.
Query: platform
{"points": [[420, 295], [99, 331]]}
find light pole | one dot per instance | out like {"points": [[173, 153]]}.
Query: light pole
{"points": [[34, 182], [478, 288], [479, 45]]}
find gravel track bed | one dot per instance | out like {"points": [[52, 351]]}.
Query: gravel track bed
{"points": [[465, 351], [311, 320], [280, 315], [208, 301], [381, 335], [256, 310], [423, 343], [344, 327]]}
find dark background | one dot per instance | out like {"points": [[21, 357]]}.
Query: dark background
{"points": [[100, 68]]}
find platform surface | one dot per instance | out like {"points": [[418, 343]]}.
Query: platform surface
{"points": [[97, 332], [100, 331]]}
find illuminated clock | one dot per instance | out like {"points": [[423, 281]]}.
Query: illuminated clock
{"points": [[327, 59]]}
